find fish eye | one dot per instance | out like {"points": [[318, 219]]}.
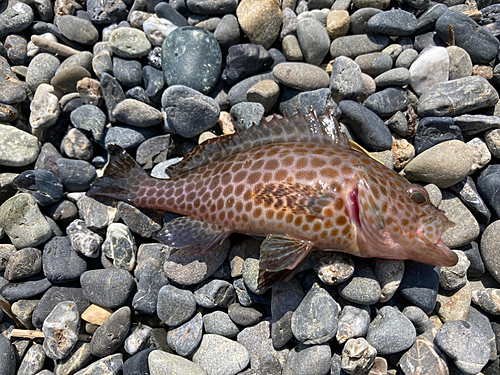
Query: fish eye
{"points": [[418, 195]]}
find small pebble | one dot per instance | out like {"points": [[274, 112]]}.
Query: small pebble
{"points": [[331, 267], [61, 330], [357, 356], [219, 323], [185, 338], [175, 306], [362, 288], [353, 322], [119, 245], [111, 334], [119, 284]]}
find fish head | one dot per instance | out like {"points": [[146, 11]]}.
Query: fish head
{"points": [[396, 220]]}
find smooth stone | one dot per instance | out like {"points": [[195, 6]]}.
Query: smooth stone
{"points": [[433, 130], [308, 360], [163, 363], [146, 298], [185, 338], [374, 63], [83, 240], [387, 102], [369, 127], [425, 355], [313, 40], [154, 81], [428, 18], [379, 4], [19, 148], [228, 32], [220, 323], [45, 109], [119, 245], [346, 81], [394, 77], [320, 100], [332, 267], [157, 29], [245, 60], [481, 154], [265, 93], [246, 114], [61, 263], [110, 365], [465, 343], [23, 263], [191, 57], [420, 291], [60, 328], [358, 356], [26, 289], [353, 322], [90, 118], [455, 161], [260, 21], [453, 278], [187, 267], [175, 306], [431, 67], [12, 90], [238, 93], [96, 214], [41, 69], [151, 256], [301, 76], [138, 363], [390, 332], [119, 284], [129, 43], [466, 227], [354, 45], [487, 300], [389, 275], [460, 62], [315, 319], [76, 175], [490, 249], [77, 29], [128, 136], [23, 222], [456, 97], [127, 72], [487, 184], [337, 23], [291, 48], [111, 334], [480, 44], [360, 18], [476, 267], [15, 17], [406, 58], [214, 293], [362, 287], [244, 316], [33, 360], [453, 304], [393, 23], [188, 111], [468, 194], [154, 151], [475, 316], [170, 13], [43, 185]]}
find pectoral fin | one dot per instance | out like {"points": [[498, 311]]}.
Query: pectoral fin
{"points": [[186, 231], [280, 258]]}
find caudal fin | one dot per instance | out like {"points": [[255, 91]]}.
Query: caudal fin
{"points": [[122, 177]]}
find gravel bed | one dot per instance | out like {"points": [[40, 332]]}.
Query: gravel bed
{"points": [[84, 287]]}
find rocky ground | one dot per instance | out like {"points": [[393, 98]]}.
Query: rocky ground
{"points": [[84, 287]]}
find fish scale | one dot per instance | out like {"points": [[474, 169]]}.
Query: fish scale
{"points": [[295, 180]]}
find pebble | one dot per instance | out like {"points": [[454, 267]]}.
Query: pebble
{"points": [[23, 222], [362, 288], [119, 284], [358, 356], [138, 339], [260, 21], [332, 267], [433, 130], [492, 139], [421, 292], [394, 77], [367, 125], [346, 81], [44, 108], [220, 323], [390, 332], [185, 338], [320, 100], [487, 300], [486, 183], [218, 354], [338, 23], [353, 46], [489, 249], [315, 320], [75, 144], [188, 111], [406, 59], [146, 298], [214, 293], [41, 69], [238, 93], [154, 151], [12, 90], [175, 306], [468, 194], [15, 17], [90, 118], [453, 304], [353, 322], [76, 175], [309, 360], [60, 328], [127, 72], [430, 67], [425, 355], [465, 344], [23, 263], [244, 316], [42, 185], [161, 363], [61, 263], [456, 97], [460, 63], [393, 23], [111, 334], [245, 60], [452, 278], [313, 40], [191, 57], [129, 43], [389, 275], [387, 102], [119, 245], [19, 148], [246, 114], [33, 360], [23, 310], [110, 365], [475, 316], [32, 287], [301, 76], [96, 215], [265, 93]]}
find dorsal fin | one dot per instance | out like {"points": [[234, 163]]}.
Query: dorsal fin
{"points": [[298, 128]]}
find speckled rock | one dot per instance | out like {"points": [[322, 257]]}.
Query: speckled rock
{"points": [[119, 245], [185, 338], [363, 287], [260, 20], [357, 356], [111, 334], [129, 43], [175, 306], [19, 148], [61, 330], [453, 304], [162, 363], [353, 322], [389, 274], [119, 284], [331, 267]]}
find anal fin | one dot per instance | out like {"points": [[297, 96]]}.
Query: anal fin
{"points": [[280, 258], [186, 231]]}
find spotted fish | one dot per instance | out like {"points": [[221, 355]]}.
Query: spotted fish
{"points": [[298, 182]]}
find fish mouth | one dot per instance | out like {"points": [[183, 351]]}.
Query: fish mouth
{"points": [[447, 258]]}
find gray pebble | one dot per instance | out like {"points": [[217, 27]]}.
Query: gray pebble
{"points": [[15, 17], [238, 93], [406, 58], [265, 93], [23, 310], [110, 365], [466, 227], [346, 80], [319, 100], [309, 360], [33, 360], [129, 43], [83, 240], [185, 338], [96, 215], [76, 175], [363, 287], [146, 298], [476, 317], [175, 306], [41, 70], [12, 90], [89, 118], [160, 362], [19, 148], [246, 114], [387, 102], [353, 322], [111, 334], [129, 137], [357, 356], [394, 77], [219, 323], [127, 72], [214, 293], [489, 248], [119, 245], [395, 22], [8, 363], [23, 263], [119, 284], [354, 45], [61, 263], [374, 63], [301, 76], [244, 316], [313, 40], [61, 330]]}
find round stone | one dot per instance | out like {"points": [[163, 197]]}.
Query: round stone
{"points": [[15, 17], [185, 338], [162, 363], [119, 284], [129, 43], [76, 175], [313, 40], [337, 23], [363, 287], [301, 76], [61, 263], [420, 291], [61, 330], [23, 263], [127, 72], [191, 57], [387, 102], [354, 45], [219, 323], [393, 23], [136, 113], [77, 29], [41, 70], [346, 80], [111, 334], [175, 306], [18, 147], [245, 60], [260, 20]]}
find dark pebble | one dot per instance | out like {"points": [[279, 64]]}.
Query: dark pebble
{"points": [[238, 93], [8, 362], [138, 93], [154, 151], [245, 60], [212, 7], [186, 338], [244, 316], [17, 49], [42, 185], [475, 316], [191, 57], [354, 45], [359, 20], [25, 289], [189, 112], [55, 295], [479, 43], [167, 11], [319, 100], [119, 284], [12, 90], [146, 298], [129, 137], [15, 17], [422, 291], [106, 12], [434, 130], [153, 81], [476, 267], [61, 263], [246, 114], [112, 93], [475, 124], [426, 40], [127, 72], [313, 40], [76, 175], [136, 113], [111, 334], [137, 221], [228, 32], [175, 306], [427, 20], [90, 118], [246, 297], [138, 363], [369, 127], [487, 185], [468, 194], [387, 102], [395, 22]]}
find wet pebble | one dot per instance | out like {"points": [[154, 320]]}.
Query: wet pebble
{"points": [[467, 192]]}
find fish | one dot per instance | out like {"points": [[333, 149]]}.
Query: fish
{"points": [[296, 181]]}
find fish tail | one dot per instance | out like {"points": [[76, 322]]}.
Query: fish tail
{"points": [[122, 178]]}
